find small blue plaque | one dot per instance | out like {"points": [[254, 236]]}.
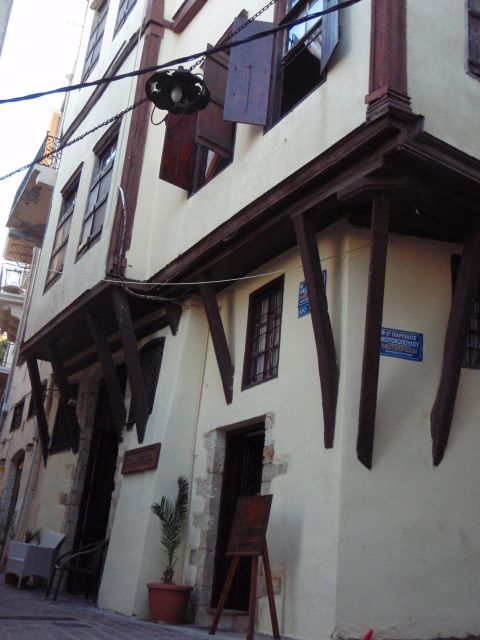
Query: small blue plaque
{"points": [[398, 343], [303, 301]]}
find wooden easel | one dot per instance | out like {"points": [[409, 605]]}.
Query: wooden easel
{"points": [[248, 539]]}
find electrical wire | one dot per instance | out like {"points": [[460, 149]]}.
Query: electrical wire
{"points": [[223, 46], [184, 59], [195, 283]]}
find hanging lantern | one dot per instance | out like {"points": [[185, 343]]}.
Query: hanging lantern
{"points": [[177, 91]]}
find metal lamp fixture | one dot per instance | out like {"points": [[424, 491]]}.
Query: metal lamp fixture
{"points": [[177, 91]]}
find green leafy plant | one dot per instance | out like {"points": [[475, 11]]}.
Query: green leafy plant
{"points": [[173, 519]]}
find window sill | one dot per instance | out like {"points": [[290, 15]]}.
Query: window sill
{"points": [[250, 385], [83, 248], [52, 281]]}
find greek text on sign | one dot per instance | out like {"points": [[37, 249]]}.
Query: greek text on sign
{"points": [[398, 343], [303, 301]]}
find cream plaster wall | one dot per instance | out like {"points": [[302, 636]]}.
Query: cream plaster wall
{"points": [[408, 546], [173, 422], [438, 83], [167, 222]]}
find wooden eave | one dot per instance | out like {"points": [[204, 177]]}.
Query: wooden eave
{"points": [[74, 343]]}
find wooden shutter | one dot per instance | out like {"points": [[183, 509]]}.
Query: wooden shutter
{"points": [[179, 150], [213, 132], [474, 36], [330, 34], [249, 72]]}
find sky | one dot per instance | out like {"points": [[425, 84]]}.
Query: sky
{"points": [[39, 52]]}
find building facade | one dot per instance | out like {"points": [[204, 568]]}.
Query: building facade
{"points": [[279, 291]]}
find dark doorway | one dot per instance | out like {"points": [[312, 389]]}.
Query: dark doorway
{"points": [[100, 476], [242, 476]]}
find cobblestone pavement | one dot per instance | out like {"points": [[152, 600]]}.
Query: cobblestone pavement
{"points": [[26, 615]]}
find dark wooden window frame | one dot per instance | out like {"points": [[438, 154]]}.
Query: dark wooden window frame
{"points": [[473, 37], [283, 59], [67, 209], [267, 291], [17, 415], [61, 437], [96, 37], [471, 355], [100, 177], [124, 9]]}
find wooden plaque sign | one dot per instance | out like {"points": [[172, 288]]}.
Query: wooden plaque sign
{"points": [[249, 527], [141, 459], [248, 538]]}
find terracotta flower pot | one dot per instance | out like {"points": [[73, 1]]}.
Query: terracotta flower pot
{"points": [[167, 602]]}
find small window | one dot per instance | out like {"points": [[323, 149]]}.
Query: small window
{"points": [[98, 195], [199, 146], [302, 53], [474, 37], [471, 356], [17, 416], [61, 434], [123, 10], [151, 356], [95, 41], [31, 406], [262, 345], [57, 259]]}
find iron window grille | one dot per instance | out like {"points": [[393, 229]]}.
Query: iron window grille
{"points": [[31, 406], [151, 356], [123, 10], [57, 259], [471, 355], [98, 196], [17, 416], [61, 435], [96, 37], [262, 347]]}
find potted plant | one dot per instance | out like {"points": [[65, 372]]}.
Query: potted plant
{"points": [[167, 601]]}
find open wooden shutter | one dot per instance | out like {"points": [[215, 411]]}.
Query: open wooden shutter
{"points": [[179, 150], [330, 34], [474, 36], [248, 84], [213, 132]]}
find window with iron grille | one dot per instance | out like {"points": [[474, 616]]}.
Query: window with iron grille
{"points": [[98, 195], [262, 346], [31, 406], [96, 36], [123, 10], [61, 434], [57, 259], [471, 356], [151, 356], [17, 416], [473, 23]]}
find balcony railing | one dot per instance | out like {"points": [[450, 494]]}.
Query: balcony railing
{"points": [[6, 353], [14, 278], [49, 144]]}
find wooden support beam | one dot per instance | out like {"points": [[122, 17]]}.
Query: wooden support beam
{"points": [[454, 345], [112, 383], [322, 327], [373, 328], [174, 313], [219, 339], [63, 385], [37, 394], [132, 359]]}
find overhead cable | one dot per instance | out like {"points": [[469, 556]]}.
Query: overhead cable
{"points": [[183, 59]]}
